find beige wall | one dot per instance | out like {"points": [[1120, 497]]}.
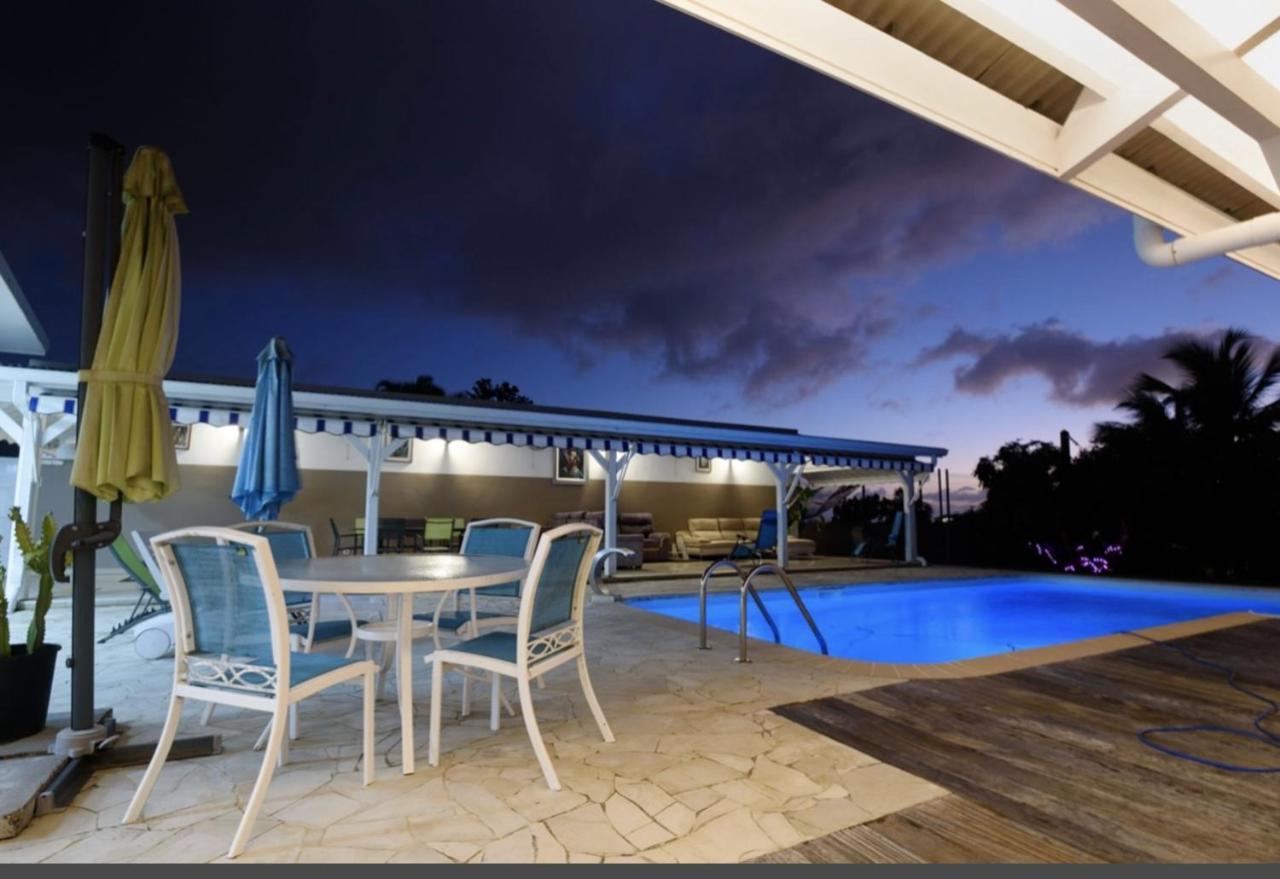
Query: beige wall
{"points": [[205, 499]]}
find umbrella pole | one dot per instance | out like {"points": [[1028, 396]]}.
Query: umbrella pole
{"points": [[92, 730], [101, 250], [89, 742]]}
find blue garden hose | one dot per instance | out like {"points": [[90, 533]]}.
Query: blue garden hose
{"points": [[1259, 733]]}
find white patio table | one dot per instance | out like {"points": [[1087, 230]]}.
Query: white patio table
{"points": [[404, 576]]}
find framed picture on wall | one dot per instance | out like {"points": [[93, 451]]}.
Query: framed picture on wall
{"points": [[182, 436], [701, 464], [570, 467], [400, 451]]}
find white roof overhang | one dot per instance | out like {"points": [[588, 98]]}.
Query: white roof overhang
{"points": [[1177, 102], [20, 332], [53, 392]]}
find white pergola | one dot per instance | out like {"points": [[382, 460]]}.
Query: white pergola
{"points": [[1169, 109], [39, 413]]}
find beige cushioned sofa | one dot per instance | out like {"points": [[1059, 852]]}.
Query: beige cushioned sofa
{"points": [[715, 538]]}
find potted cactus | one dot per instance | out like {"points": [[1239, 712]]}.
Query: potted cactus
{"points": [[26, 669]]}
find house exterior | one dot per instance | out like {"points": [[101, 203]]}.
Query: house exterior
{"points": [[367, 454]]}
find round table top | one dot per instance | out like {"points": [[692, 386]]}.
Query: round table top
{"points": [[427, 572]]}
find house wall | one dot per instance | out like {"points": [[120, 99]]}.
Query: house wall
{"points": [[469, 480]]}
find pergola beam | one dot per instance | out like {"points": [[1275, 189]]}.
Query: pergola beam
{"points": [[1167, 39]]}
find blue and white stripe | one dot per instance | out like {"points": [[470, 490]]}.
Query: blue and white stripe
{"points": [[338, 425]]}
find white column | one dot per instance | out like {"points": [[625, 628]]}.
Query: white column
{"points": [[372, 483], [373, 450], [908, 515], [26, 496], [785, 479], [614, 465]]}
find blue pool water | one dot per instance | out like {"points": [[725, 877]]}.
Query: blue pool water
{"points": [[943, 620]]}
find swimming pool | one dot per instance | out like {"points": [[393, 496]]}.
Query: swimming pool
{"points": [[945, 620]]}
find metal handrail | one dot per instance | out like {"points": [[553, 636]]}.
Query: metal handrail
{"points": [[594, 579], [743, 591], [771, 568]]}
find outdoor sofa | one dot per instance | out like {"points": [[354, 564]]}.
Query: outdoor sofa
{"points": [[716, 538], [635, 532]]}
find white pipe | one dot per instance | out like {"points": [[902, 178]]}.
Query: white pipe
{"points": [[1148, 241]]}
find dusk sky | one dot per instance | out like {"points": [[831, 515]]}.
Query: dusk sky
{"points": [[609, 203]]}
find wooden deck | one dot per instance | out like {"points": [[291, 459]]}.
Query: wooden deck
{"points": [[1043, 764]]}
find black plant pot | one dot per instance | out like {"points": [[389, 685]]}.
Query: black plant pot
{"points": [[26, 681]]}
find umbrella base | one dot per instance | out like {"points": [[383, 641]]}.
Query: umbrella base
{"points": [[83, 742], [103, 753]]}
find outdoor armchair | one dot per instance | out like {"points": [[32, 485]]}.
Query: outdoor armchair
{"points": [[549, 634], [233, 648], [506, 537]]}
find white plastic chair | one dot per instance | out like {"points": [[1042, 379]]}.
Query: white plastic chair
{"points": [[233, 648], [549, 633]]}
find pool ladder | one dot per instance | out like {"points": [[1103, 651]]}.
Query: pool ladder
{"points": [[748, 588]]}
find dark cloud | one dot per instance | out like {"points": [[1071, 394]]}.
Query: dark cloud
{"points": [[1080, 370], [602, 177]]}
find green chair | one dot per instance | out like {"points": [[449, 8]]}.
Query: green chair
{"points": [[437, 535], [150, 602]]}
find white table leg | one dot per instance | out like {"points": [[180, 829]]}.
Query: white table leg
{"points": [[404, 680]]}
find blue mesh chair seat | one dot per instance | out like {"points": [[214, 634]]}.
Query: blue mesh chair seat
{"points": [[549, 634], [452, 622], [232, 635], [495, 645]]}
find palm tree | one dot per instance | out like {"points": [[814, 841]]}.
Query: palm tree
{"points": [[1199, 452], [1223, 394]]}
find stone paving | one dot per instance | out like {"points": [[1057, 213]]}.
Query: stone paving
{"points": [[701, 771]]}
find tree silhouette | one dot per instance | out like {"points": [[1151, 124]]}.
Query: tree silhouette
{"points": [[1188, 482], [502, 392], [422, 386], [481, 389]]}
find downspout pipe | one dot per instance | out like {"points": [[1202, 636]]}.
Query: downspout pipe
{"points": [[1148, 241]]}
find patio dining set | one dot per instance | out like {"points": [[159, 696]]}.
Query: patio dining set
{"points": [[247, 618]]}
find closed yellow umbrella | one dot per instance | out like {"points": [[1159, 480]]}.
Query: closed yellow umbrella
{"points": [[125, 443]]}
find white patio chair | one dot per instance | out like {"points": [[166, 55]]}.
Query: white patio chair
{"points": [[294, 541], [505, 537], [549, 633], [233, 648]]}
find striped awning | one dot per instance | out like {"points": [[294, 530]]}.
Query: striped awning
{"points": [[222, 416], [337, 425]]}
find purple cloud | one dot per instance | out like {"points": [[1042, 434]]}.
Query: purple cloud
{"points": [[1080, 370]]}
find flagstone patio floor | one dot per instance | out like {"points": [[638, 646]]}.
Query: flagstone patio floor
{"points": [[701, 770]]}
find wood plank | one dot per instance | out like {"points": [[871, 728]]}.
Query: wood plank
{"points": [[1044, 763]]}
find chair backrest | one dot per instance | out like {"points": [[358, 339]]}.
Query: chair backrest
{"points": [[142, 546], [438, 529], [289, 540], [127, 558], [895, 530], [509, 537], [767, 533], [551, 607], [229, 609]]}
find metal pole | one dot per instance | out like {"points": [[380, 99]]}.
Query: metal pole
{"points": [[947, 529], [101, 250]]}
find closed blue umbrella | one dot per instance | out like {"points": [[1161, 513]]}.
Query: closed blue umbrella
{"points": [[267, 477]]}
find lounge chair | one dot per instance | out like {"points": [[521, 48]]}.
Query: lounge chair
{"points": [[891, 540], [151, 602]]}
